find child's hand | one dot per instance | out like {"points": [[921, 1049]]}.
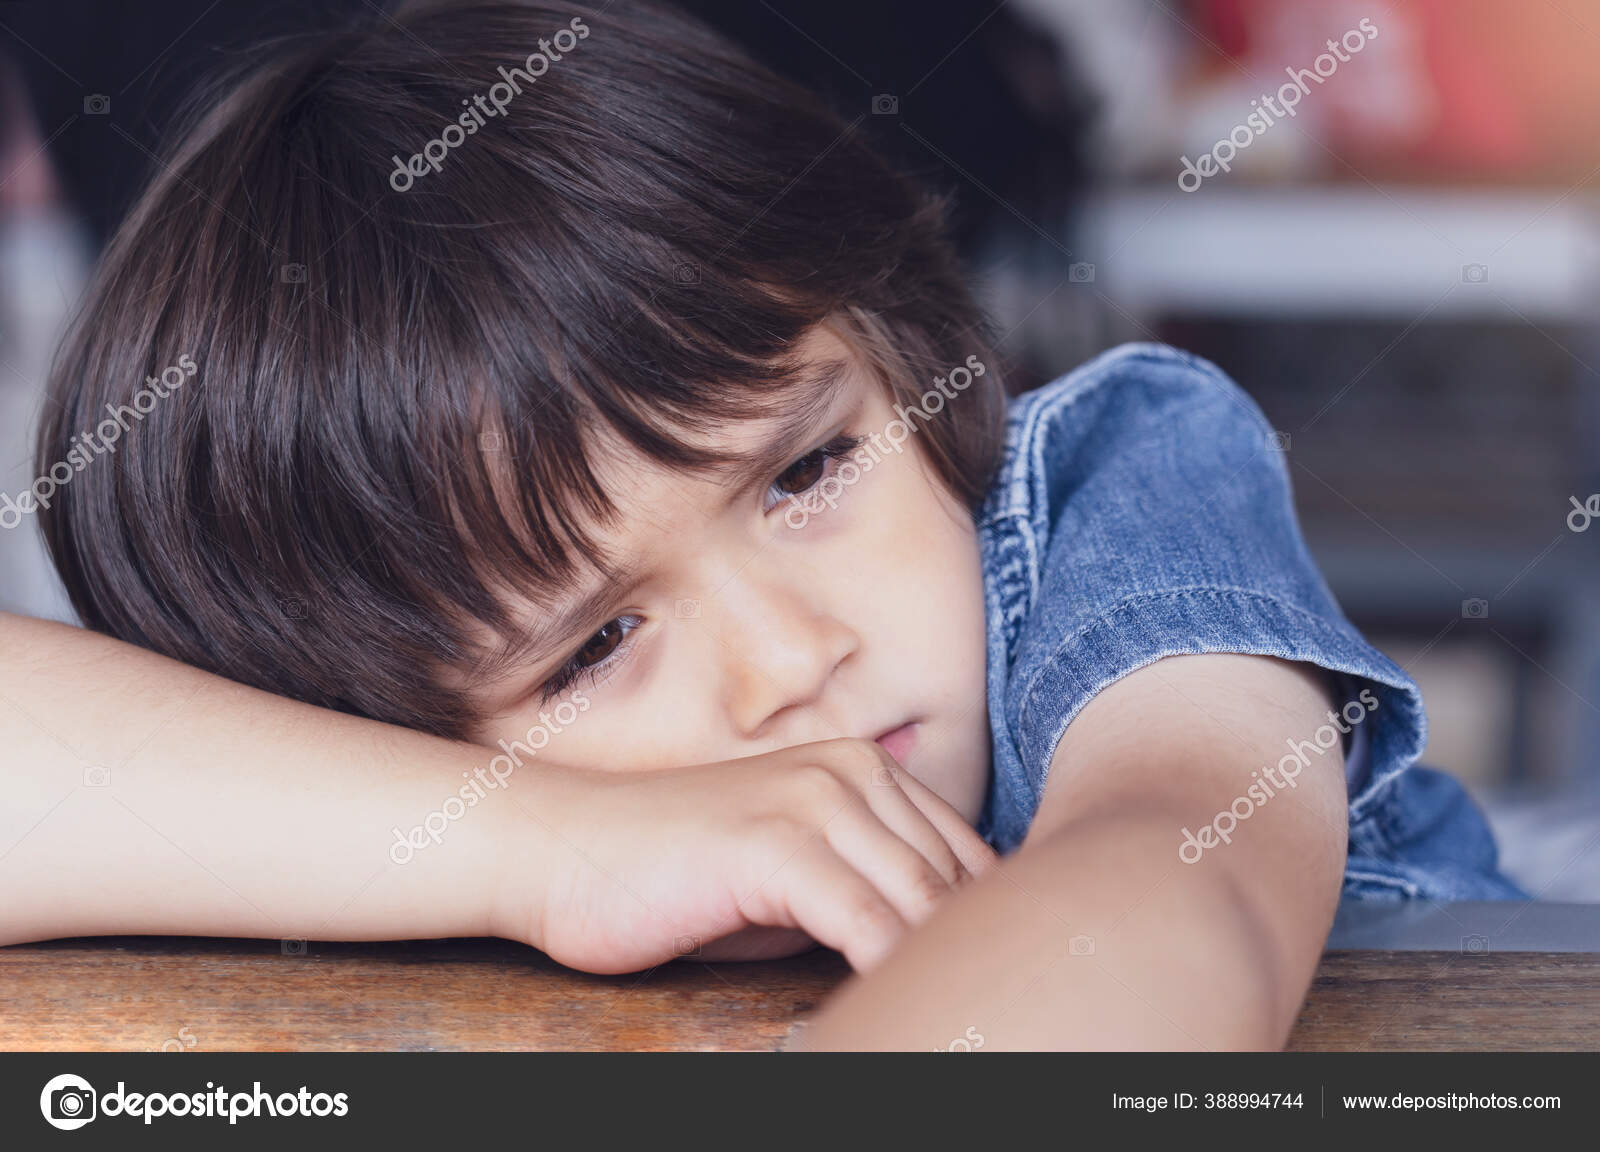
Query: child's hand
{"points": [[631, 869]]}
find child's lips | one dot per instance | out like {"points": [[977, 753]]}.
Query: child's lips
{"points": [[898, 742]]}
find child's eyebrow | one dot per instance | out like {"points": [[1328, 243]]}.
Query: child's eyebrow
{"points": [[581, 617], [552, 635], [814, 395]]}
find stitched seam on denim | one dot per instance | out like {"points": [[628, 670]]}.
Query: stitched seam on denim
{"points": [[1129, 602], [1020, 492], [1371, 809], [1032, 568], [1014, 576], [1043, 415], [1409, 887], [1031, 411]]}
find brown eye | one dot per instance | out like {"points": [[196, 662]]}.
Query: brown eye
{"points": [[599, 646], [594, 658], [804, 473], [810, 470]]}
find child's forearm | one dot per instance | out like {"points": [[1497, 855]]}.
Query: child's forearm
{"points": [[1089, 939], [1215, 952], [138, 795]]}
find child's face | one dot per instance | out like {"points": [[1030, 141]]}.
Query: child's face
{"points": [[757, 622]]}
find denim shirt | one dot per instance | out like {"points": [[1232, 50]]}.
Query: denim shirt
{"points": [[1143, 510]]}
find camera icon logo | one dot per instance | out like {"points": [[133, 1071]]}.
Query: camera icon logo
{"points": [[1081, 946], [97, 776], [686, 609], [294, 609], [1081, 273], [1475, 945], [1475, 609], [292, 274], [1474, 273], [687, 273], [96, 104], [67, 1102], [293, 945], [884, 104], [1278, 441], [686, 946], [491, 442]]}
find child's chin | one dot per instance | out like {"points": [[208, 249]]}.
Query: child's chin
{"points": [[758, 944]]}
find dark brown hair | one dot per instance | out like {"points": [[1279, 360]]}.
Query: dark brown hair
{"points": [[638, 244]]}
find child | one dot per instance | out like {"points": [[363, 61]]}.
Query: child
{"points": [[571, 387]]}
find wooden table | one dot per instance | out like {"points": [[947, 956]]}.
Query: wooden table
{"points": [[146, 993]]}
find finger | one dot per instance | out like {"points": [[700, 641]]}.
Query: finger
{"points": [[902, 817], [975, 855], [901, 874], [837, 906]]}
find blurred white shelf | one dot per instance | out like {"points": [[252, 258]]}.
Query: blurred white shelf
{"points": [[1394, 253]]}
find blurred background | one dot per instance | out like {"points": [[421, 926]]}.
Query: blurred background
{"points": [[1380, 218]]}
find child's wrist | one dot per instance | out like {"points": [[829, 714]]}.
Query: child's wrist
{"points": [[519, 855]]}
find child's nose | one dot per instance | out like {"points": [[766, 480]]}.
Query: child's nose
{"points": [[778, 649]]}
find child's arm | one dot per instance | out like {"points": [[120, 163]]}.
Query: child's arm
{"points": [[138, 795], [1214, 954]]}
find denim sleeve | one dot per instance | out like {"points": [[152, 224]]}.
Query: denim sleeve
{"points": [[1144, 511], [1155, 501]]}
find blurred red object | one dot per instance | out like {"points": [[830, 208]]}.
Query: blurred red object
{"points": [[1492, 89]]}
